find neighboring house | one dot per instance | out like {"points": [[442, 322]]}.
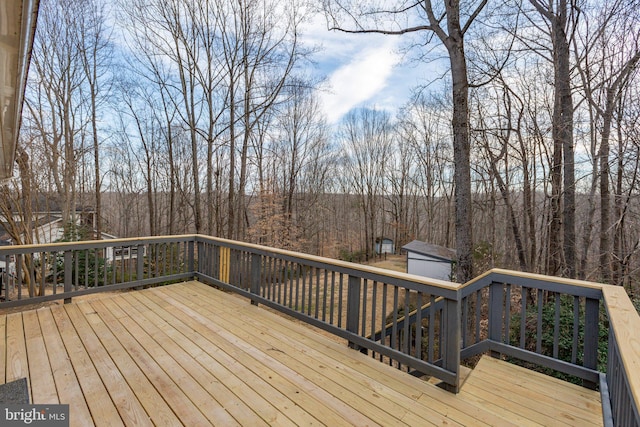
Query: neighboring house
{"points": [[384, 245], [115, 253], [48, 227], [433, 261], [3, 261]]}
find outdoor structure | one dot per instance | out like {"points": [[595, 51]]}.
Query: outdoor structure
{"points": [[48, 227], [429, 260], [178, 354], [384, 245], [123, 253], [17, 27]]}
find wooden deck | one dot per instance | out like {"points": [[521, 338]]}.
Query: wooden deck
{"points": [[188, 354]]}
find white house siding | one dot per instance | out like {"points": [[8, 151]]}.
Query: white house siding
{"points": [[49, 233]]}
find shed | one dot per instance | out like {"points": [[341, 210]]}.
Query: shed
{"points": [[425, 259], [384, 245]]}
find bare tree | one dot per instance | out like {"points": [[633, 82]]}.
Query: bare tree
{"points": [[95, 53], [55, 110], [561, 17], [299, 150], [269, 49], [449, 24], [611, 51], [422, 123], [495, 132], [366, 136]]}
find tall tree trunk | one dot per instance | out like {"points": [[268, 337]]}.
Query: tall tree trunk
{"points": [[563, 130], [461, 152], [556, 13], [231, 205], [605, 194]]}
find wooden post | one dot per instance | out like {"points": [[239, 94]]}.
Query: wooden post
{"points": [[496, 310], [225, 255], [202, 263], [452, 336], [68, 273], [591, 335], [139, 263], [353, 307], [256, 263], [191, 257]]}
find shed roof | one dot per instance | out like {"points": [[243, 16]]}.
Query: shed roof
{"points": [[424, 248]]}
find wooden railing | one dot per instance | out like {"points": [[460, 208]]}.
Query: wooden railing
{"points": [[39, 273], [541, 320], [349, 300], [416, 324], [623, 362]]}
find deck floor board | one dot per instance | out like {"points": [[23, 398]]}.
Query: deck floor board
{"points": [[103, 410], [389, 405], [363, 399], [264, 398], [188, 354], [42, 383], [124, 399], [67, 385], [527, 392]]}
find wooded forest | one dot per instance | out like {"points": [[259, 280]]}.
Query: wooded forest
{"points": [[183, 116]]}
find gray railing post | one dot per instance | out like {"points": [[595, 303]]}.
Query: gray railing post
{"points": [[591, 335], [202, 264], [5, 280], [452, 337], [353, 307], [215, 262], [68, 274], [496, 310], [139, 263], [256, 267], [190, 257]]}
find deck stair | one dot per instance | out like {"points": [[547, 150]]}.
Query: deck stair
{"points": [[530, 398]]}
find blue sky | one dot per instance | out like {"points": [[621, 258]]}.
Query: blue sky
{"points": [[362, 69]]}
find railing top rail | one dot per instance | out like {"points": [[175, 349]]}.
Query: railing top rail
{"points": [[497, 274], [625, 324], [337, 263], [60, 246]]}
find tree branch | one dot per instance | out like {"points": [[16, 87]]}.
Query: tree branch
{"points": [[544, 12], [434, 24], [386, 32], [473, 16]]}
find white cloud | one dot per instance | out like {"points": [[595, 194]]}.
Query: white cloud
{"points": [[360, 79]]}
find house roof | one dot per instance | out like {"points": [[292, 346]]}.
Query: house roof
{"points": [[384, 240], [428, 249], [19, 18], [39, 220]]}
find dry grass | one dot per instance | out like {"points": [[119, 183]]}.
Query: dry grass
{"points": [[392, 262]]}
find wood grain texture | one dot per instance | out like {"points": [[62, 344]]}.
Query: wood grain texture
{"points": [[625, 324], [43, 387], [188, 354], [539, 398]]}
